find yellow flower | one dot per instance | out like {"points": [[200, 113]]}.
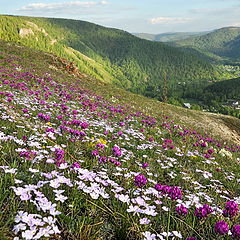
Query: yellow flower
{"points": [[102, 141]]}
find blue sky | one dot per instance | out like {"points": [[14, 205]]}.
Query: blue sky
{"points": [[150, 16]]}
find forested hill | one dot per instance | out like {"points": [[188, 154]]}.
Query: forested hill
{"points": [[224, 90], [108, 54], [224, 43]]}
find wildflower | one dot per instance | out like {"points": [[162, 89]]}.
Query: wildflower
{"points": [[231, 209], [117, 151], [144, 221], [75, 165], [191, 238], [84, 125], [203, 212], [59, 154], [145, 165], [151, 139], [181, 210], [221, 227], [236, 232], [175, 193], [102, 159], [149, 236], [210, 151], [140, 180], [95, 152]]}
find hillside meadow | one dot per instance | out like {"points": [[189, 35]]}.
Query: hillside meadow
{"points": [[82, 159]]}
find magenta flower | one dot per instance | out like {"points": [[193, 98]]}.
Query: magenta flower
{"points": [[231, 209], [145, 165], [203, 212], [151, 139], [173, 192], [210, 151], [117, 151], [102, 159], [181, 210], [59, 154], [236, 232], [221, 227], [84, 125], [76, 165], [140, 180], [95, 152]]}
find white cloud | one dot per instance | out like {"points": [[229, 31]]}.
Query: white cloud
{"points": [[169, 20], [73, 6]]}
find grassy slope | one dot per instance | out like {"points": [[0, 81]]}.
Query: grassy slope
{"points": [[226, 127], [117, 56], [83, 216]]}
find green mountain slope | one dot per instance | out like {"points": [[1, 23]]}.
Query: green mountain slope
{"points": [[223, 43], [169, 37], [229, 89], [108, 54]]}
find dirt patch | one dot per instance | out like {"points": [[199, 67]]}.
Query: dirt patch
{"points": [[23, 32]]}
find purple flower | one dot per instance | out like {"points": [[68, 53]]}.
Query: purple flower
{"points": [[84, 125], [144, 165], [151, 139], [95, 152], [203, 212], [117, 151], [59, 154], [221, 227], [181, 210], [231, 209], [236, 232], [191, 238], [76, 165], [102, 159], [173, 192], [210, 151], [140, 180], [100, 145]]}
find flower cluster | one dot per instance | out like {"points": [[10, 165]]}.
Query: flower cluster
{"points": [[203, 212], [173, 192], [140, 180], [231, 209]]}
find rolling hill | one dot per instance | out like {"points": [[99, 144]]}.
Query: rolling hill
{"points": [[110, 55], [223, 43], [168, 37]]}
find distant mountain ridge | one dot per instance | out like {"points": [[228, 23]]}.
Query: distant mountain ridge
{"points": [[223, 43], [169, 37], [110, 55]]}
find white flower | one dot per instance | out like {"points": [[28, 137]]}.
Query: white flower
{"points": [[144, 221], [29, 234], [177, 234], [19, 227], [123, 198], [148, 236]]}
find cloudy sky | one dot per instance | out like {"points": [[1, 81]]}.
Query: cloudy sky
{"points": [[150, 16]]}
